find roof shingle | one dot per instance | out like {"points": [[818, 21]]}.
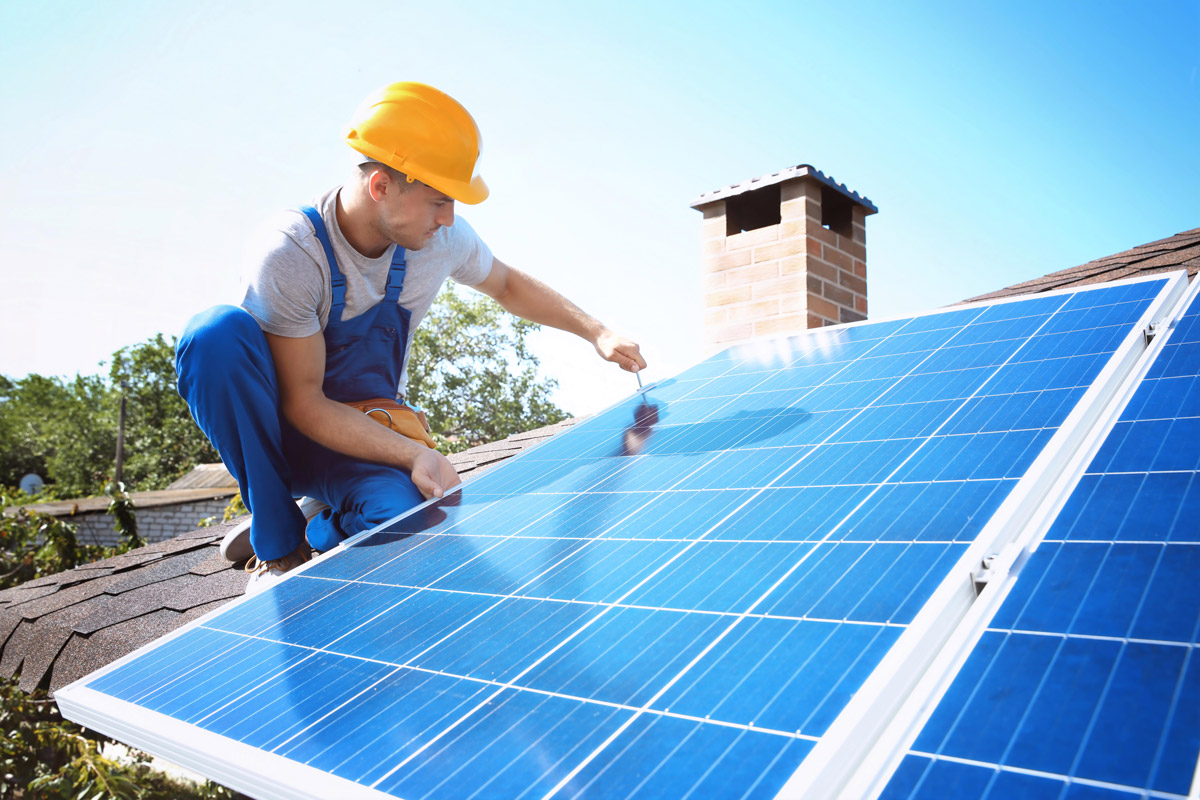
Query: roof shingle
{"points": [[1181, 251]]}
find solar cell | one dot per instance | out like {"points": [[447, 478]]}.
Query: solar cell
{"points": [[680, 595], [1086, 683]]}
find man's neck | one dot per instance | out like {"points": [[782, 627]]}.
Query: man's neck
{"points": [[353, 217]]}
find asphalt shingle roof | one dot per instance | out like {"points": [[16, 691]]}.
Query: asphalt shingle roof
{"points": [[1181, 251]]}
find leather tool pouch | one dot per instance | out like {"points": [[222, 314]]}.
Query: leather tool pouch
{"points": [[399, 417]]}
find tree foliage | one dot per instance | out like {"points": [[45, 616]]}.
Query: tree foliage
{"points": [[470, 368], [66, 430], [472, 371], [44, 756], [33, 545], [162, 441], [61, 429]]}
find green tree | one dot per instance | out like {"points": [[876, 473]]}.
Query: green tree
{"points": [[161, 440], [20, 452], [472, 371], [62, 430], [66, 430]]}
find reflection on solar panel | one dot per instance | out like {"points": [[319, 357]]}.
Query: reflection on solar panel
{"points": [[1086, 684], [731, 585]]}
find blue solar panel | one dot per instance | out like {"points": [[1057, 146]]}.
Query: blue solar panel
{"points": [[1086, 683], [679, 595]]}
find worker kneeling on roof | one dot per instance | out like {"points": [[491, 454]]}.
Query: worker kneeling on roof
{"points": [[334, 293]]}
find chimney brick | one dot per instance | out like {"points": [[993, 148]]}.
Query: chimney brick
{"points": [[819, 305], [728, 260], [751, 238], [727, 296], [853, 283], [750, 312], [781, 253], [741, 276], [731, 334], [837, 258], [793, 247], [780, 325]]}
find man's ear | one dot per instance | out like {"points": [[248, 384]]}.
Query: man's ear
{"points": [[380, 184]]}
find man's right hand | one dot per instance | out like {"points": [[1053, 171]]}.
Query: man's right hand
{"points": [[300, 370], [433, 474]]}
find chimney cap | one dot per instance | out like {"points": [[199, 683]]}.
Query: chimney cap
{"points": [[799, 171]]}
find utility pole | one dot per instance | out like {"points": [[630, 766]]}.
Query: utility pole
{"points": [[117, 479]]}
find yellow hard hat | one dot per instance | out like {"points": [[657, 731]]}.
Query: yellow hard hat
{"points": [[424, 133]]}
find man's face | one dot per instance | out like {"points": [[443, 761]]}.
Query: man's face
{"points": [[410, 217]]}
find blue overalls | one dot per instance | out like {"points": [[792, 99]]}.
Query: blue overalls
{"points": [[227, 377]]}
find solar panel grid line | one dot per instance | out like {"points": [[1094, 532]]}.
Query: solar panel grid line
{"points": [[790, 463], [953, 619], [1088, 584]]}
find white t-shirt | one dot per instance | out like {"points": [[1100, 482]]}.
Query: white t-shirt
{"points": [[287, 274]]}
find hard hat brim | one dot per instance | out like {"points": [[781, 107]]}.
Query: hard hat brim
{"points": [[470, 192]]}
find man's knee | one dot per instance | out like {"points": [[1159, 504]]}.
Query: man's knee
{"points": [[216, 331], [381, 499], [224, 340]]}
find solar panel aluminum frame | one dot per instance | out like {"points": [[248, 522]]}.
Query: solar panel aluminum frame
{"points": [[862, 748], [265, 775], [254, 772]]}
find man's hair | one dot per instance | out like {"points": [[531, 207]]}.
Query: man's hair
{"points": [[367, 167]]}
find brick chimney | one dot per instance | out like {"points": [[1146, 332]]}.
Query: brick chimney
{"points": [[782, 253]]}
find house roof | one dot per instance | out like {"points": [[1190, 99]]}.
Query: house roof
{"points": [[204, 482], [1181, 251], [153, 499], [59, 628]]}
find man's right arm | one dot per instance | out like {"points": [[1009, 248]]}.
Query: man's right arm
{"points": [[300, 370]]}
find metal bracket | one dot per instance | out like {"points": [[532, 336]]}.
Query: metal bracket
{"points": [[981, 576], [1152, 330]]}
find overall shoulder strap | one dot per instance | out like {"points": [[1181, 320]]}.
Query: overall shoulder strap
{"points": [[337, 281], [396, 276]]}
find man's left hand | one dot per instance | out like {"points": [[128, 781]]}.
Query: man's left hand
{"points": [[623, 352]]}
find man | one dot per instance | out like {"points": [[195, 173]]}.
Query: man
{"points": [[334, 293]]}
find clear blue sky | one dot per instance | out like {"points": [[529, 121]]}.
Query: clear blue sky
{"points": [[144, 141]]}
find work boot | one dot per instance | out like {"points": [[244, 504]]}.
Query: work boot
{"points": [[236, 547], [265, 574]]}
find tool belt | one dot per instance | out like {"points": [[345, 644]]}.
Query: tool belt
{"points": [[403, 419]]}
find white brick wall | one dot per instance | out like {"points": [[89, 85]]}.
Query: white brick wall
{"points": [[154, 524]]}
